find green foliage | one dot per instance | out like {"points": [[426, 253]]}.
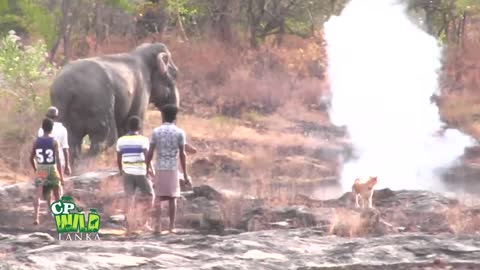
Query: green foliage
{"points": [[11, 17], [443, 18], [252, 116], [125, 5], [28, 16], [299, 27], [39, 20], [185, 8], [467, 5], [11, 21], [24, 70], [3, 5]]}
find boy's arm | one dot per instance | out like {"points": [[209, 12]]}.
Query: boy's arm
{"points": [[146, 148], [58, 161], [190, 149], [66, 152], [119, 157], [149, 157], [150, 170], [183, 157], [119, 162], [183, 163], [32, 158]]}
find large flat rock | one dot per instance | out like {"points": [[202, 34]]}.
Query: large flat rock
{"points": [[284, 249]]}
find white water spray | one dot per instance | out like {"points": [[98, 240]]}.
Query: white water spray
{"points": [[383, 71]]}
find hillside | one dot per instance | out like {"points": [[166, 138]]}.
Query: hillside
{"points": [[255, 100], [261, 117]]}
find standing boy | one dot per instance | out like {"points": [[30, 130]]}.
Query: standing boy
{"points": [[48, 167], [131, 151], [59, 132], [168, 141]]}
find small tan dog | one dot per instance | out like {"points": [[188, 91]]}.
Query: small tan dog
{"points": [[363, 188]]}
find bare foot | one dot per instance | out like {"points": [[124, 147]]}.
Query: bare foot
{"points": [[36, 222], [173, 230]]}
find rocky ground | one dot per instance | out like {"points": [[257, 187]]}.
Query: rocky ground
{"points": [[224, 230], [266, 196], [286, 249]]}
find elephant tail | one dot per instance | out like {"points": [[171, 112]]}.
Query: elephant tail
{"points": [[61, 98]]}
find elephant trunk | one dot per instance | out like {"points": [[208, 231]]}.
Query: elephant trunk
{"points": [[164, 90]]}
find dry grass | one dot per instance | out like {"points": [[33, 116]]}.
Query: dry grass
{"points": [[105, 160], [346, 223], [260, 80], [462, 111], [17, 133], [462, 221], [460, 104]]}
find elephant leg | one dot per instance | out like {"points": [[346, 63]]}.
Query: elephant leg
{"points": [[94, 147], [112, 135], [97, 138], [113, 131], [104, 134], [75, 149]]}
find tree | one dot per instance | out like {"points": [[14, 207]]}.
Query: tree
{"points": [[222, 15], [294, 17], [28, 16], [181, 10], [446, 19]]}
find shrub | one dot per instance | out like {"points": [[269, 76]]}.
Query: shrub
{"points": [[25, 76], [24, 69]]}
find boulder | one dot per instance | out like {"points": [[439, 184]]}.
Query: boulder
{"points": [[208, 192], [203, 214], [230, 163]]}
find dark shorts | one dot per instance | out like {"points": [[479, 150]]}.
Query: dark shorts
{"points": [[48, 177], [131, 182]]}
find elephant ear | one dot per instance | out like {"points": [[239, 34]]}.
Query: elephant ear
{"points": [[162, 66]]}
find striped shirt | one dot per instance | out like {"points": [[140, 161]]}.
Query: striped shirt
{"points": [[132, 148]]}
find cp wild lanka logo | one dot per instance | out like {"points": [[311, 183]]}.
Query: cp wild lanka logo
{"points": [[70, 221]]}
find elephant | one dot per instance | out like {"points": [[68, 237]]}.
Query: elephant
{"points": [[96, 96]]}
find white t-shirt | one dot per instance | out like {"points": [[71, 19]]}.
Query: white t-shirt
{"points": [[59, 132]]}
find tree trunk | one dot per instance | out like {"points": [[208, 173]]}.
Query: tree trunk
{"points": [[279, 36], [252, 22], [98, 24], [180, 25], [70, 13], [53, 50], [312, 26], [63, 26], [463, 34], [428, 20], [224, 24], [333, 4], [66, 8]]}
